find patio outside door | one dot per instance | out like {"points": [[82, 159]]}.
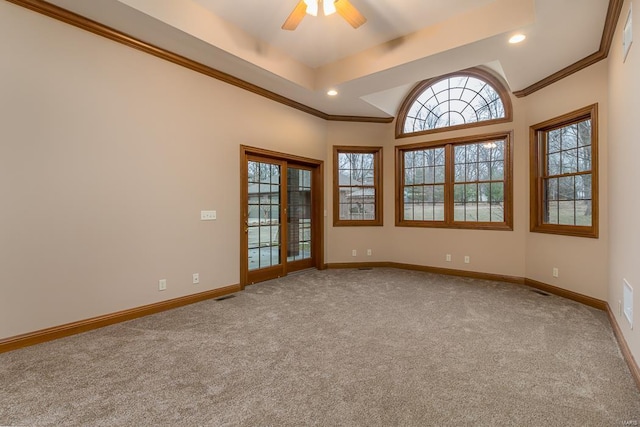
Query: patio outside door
{"points": [[263, 220], [281, 220]]}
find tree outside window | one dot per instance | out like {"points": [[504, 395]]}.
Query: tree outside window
{"points": [[357, 192], [458, 183], [564, 174], [467, 98]]}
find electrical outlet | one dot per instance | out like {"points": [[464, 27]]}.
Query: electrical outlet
{"points": [[162, 284], [354, 252], [467, 259], [555, 272], [196, 278], [448, 257], [368, 252]]}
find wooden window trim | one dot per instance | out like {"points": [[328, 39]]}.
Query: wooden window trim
{"points": [[448, 144], [536, 133], [482, 73], [377, 170]]}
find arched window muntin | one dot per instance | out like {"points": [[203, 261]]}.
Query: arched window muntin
{"points": [[467, 98]]}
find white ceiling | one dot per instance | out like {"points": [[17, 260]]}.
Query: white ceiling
{"points": [[373, 67], [321, 40]]}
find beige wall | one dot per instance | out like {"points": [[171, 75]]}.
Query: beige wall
{"points": [[498, 252], [341, 240], [624, 222], [582, 262], [107, 157]]}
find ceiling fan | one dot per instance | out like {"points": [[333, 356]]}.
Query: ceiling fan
{"points": [[311, 7]]}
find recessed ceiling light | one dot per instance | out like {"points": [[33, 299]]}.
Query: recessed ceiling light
{"points": [[332, 92], [517, 38]]}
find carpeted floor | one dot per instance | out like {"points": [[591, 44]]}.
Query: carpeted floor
{"points": [[339, 347]]}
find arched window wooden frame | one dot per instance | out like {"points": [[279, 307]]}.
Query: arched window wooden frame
{"points": [[479, 73]]}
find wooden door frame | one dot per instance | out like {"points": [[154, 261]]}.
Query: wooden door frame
{"points": [[317, 194]]}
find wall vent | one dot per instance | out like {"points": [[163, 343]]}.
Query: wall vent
{"points": [[627, 301], [539, 292], [226, 297]]}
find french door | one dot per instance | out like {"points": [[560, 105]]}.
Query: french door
{"points": [[282, 221]]}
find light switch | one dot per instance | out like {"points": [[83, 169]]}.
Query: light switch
{"points": [[207, 215]]}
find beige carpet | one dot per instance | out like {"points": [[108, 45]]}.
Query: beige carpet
{"points": [[375, 347]]}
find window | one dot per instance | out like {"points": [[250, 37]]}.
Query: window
{"points": [[461, 183], [467, 98], [357, 186], [564, 174]]}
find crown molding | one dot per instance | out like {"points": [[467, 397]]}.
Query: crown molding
{"points": [[613, 15], [97, 28], [71, 18]]}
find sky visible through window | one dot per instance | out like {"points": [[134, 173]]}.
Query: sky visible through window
{"points": [[454, 101]]}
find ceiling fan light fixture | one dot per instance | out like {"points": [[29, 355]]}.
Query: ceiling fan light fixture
{"points": [[329, 7], [344, 8], [312, 7]]}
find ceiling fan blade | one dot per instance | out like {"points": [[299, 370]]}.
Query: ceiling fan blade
{"points": [[295, 17], [349, 13]]}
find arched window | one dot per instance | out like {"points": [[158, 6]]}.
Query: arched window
{"points": [[472, 97]]}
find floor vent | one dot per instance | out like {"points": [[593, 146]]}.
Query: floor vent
{"points": [[225, 297], [540, 292], [365, 268]]}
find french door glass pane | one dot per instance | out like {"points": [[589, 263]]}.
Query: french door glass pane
{"points": [[263, 219], [298, 214]]}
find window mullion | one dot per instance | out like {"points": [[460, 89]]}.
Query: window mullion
{"points": [[449, 173]]}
